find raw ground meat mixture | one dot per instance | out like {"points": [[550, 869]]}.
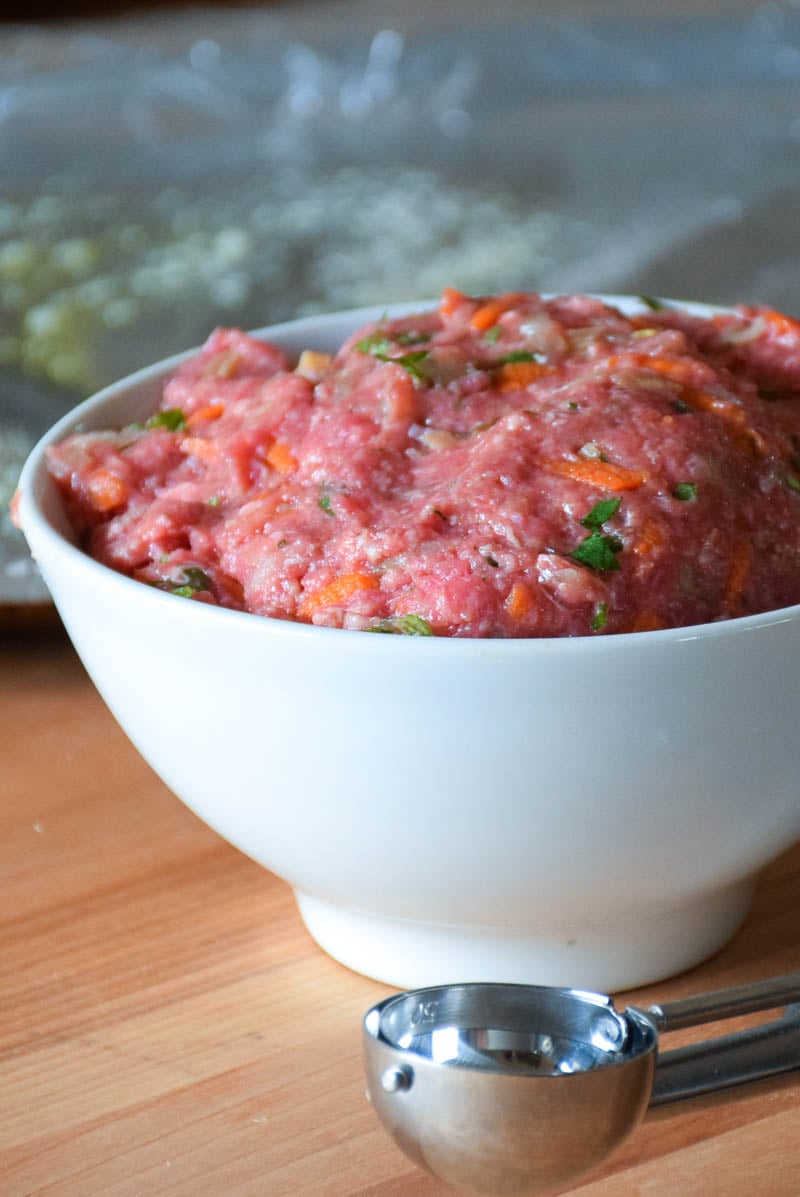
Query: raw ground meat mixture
{"points": [[498, 467]]}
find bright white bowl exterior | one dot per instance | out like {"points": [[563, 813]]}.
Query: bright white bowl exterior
{"points": [[587, 812]]}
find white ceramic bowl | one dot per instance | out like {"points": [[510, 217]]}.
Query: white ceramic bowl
{"points": [[588, 812]]}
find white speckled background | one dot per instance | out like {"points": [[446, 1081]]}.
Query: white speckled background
{"points": [[162, 175]]}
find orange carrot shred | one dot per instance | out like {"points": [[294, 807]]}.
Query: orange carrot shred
{"points": [[519, 601], [198, 446], [700, 400], [602, 474], [450, 300], [650, 538], [281, 458], [738, 573], [487, 315], [515, 376], [781, 323], [211, 411], [337, 592], [647, 621], [678, 369], [106, 490]]}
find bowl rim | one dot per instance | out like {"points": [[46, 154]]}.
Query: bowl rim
{"points": [[39, 529]]}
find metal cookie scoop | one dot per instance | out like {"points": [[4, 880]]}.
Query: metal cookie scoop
{"points": [[518, 1089]]}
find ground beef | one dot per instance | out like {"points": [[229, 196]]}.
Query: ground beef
{"points": [[497, 467]]}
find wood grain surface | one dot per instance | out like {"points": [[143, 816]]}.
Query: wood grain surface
{"points": [[168, 1028]]}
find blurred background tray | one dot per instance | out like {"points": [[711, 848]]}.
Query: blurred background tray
{"points": [[164, 174]]}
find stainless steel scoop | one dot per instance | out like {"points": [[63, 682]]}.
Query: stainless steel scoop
{"points": [[518, 1089]]}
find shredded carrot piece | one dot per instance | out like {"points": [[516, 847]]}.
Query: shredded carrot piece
{"points": [[451, 299], [106, 490], [650, 538], [198, 446], [281, 458], [515, 376], [738, 573], [211, 411], [647, 621], [681, 371], [678, 369], [487, 315], [704, 401], [519, 601], [781, 323], [337, 592], [602, 474]]}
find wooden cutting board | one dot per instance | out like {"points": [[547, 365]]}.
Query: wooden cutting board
{"points": [[168, 1028]]}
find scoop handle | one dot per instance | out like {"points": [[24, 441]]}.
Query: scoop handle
{"points": [[731, 1060], [727, 1003]]}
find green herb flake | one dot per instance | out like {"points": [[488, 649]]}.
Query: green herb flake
{"points": [[518, 355], [680, 407], [184, 591], [600, 513], [600, 617], [376, 344], [197, 578], [282, 543], [404, 625], [411, 337], [171, 418], [380, 347], [793, 482], [410, 362], [213, 501], [598, 552], [491, 561], [655, 305], [572, 406], [325, 504], [685, 491], [493, 335], [413, 625]]}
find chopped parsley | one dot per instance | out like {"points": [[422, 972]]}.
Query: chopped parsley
{"points": [[680, 407], [601, 512], [171, 418], [404, 625], [519, 355], [380, 347], [376, 344], [572, 406], [410, 362], [325, 504], [687, 491], [598, 552], [793, 482], [413, 338], [213, 501], [282, 543], [195, 580], [493, 335], [655, 305], [600, 617]]}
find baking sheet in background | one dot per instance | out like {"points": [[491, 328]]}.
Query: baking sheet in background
{"points": [[161, 176]]}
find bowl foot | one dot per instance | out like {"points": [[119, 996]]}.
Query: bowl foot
{"points": [[604, 956]]}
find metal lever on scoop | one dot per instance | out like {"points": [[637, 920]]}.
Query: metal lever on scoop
{"points": [[723, 1063]]}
